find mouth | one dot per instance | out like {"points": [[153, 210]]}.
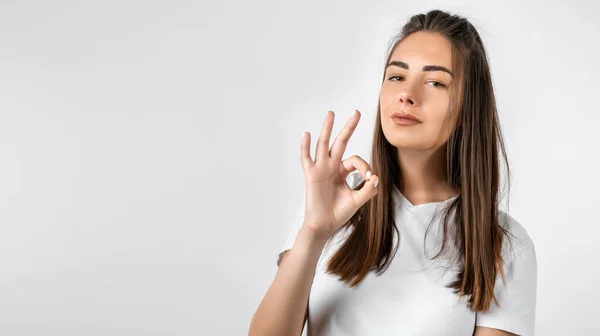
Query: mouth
{"points": [[405, 119]]}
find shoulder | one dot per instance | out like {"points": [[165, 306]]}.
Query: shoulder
{"points": [[517, 298], [518, 241], [519, 255]]}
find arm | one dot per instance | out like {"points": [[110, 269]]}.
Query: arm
{"points": [[283, 309]]}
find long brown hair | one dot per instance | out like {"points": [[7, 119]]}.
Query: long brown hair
{"points": [[473, 157]]}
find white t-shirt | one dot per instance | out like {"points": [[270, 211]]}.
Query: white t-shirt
{"points": [[410, 298]]}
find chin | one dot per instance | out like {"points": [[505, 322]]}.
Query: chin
{"points": [[409, 142], [409, 146], [403, 139]]}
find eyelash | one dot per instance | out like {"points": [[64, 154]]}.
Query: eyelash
{"points": [[439, 83]]}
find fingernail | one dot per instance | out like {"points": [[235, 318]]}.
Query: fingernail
{"points": [[368, 175], [376, 183]]}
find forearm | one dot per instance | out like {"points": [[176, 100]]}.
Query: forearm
{"points": [[282, 310]]}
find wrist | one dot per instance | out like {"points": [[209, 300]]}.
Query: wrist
{"points": [[311, 239]]}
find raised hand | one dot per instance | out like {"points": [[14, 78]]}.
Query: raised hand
{"points": [[330, 202]]}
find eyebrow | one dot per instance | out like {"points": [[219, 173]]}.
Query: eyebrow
{"points": [[425, 68]]}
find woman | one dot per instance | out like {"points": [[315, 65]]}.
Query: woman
{"points": [[416, 244]]}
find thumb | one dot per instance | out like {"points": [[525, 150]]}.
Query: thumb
{"points": [[368, 191]]}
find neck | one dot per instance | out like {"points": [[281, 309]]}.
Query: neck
{"points": [[424, 176]]}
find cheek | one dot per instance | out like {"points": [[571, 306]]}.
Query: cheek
{"points": [[385, 97], [435, 96], [438, 103]]}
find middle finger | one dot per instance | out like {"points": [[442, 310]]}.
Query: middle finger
{"points": [[341, 141]]}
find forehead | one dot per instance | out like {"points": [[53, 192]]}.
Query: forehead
{"points": [[424, 47]]}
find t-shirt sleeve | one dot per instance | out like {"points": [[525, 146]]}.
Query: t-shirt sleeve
{"points": [[353, 180], [516, 299], [297, 221]]}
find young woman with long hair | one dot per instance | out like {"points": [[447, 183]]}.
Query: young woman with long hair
{"points": [[414, 241]]}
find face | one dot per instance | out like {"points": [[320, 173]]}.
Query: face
{"points": [[416, 82]]}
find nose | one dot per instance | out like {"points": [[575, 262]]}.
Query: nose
{"points": [[407, 97]]}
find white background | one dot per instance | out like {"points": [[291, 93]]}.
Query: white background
{"points": [[150, 151]]}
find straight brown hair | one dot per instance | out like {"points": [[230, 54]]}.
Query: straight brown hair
{"points": [[472, 152]]}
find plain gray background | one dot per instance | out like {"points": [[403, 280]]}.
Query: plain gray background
{"points": [[150, 151]]}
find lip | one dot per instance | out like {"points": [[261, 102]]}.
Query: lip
{"points": [[405, 119], [404, 122]]}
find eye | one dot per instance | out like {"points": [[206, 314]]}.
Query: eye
{"points": [[438, 84]]}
